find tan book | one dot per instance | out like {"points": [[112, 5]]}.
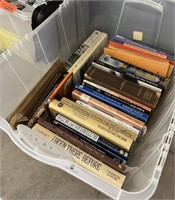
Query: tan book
{"points": [[156, 66], [78, 95], [92, 121], [83, 159], [93, 51]]}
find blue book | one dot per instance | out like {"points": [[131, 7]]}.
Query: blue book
{"points": [[112, 102]]}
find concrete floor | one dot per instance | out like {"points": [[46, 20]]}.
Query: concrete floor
{"points": [[23, 178]]}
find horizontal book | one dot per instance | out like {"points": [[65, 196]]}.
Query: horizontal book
{"points": [[78, 95], [133, 71], [120, 98], [112, 102], [78, 142], [84, 117], [125, 75], [82, 158], [126, 88], [142, 48], [156, 66], [135, 132], [93, 139]]}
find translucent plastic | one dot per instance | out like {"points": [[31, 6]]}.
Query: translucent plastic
{"points": [[24, 64]]}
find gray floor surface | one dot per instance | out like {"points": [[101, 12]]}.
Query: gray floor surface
{"points": [[23, 178]]}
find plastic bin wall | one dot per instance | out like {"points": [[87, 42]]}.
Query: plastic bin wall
{"points": [[12, 28], [24, 64]]}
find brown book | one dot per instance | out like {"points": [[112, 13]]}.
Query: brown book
{"points": [[28, 107], [75, 140], [124, 87]]}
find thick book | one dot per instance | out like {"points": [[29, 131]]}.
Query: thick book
{"points": [[142, 48], [135, 132], [112, 102], [93, 139], [133, 72], [92, 121], [120, 98], [125, 75], [78, 95], [126, 88], [82, 158], [156, 66], [78, 142], [83, 62], [86, 44]]}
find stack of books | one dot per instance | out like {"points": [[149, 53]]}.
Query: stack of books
{"points": [[102, 105]]}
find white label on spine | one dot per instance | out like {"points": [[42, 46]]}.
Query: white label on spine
{"points": [[123, 124], [92, 37], [77, 128], [85, 98]]}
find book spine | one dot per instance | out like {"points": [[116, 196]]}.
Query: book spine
{"points": [[134, 132], [130, 90], [112, 102], [82, 64], [86, 118], [127, 131], [131, 47], [78, 95], [142, 61], [82, 158], [79, 52], [92, 138], [63, 88], [78, 142], [131, 70], [118, 97], [157, 52], [129, 77]]}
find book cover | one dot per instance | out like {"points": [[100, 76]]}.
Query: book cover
{"points": [[93, 139], [156, 66], [86, 44], [78, 95], [133, 71], [82, 158], [64, 88], [84, 61], [134, 132], [84, 117], [119, 97], [154, 51], [126, 88], [112, 102]]}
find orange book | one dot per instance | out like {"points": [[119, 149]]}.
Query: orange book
{"points": [[137, 49], [156, 66], [63, 88]]}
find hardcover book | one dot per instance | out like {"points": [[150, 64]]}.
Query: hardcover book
{"points": [[129, 89], [82, 158], [101, 126]]}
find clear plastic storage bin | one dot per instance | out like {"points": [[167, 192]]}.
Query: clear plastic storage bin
{"points": [[58, 37]]}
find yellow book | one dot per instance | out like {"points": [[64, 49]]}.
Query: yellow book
{"points": [[156, 66], [82, 158], [92, 121]]}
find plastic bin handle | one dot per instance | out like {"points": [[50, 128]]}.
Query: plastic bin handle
{"points": [[37, 153], [150, 3]]}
